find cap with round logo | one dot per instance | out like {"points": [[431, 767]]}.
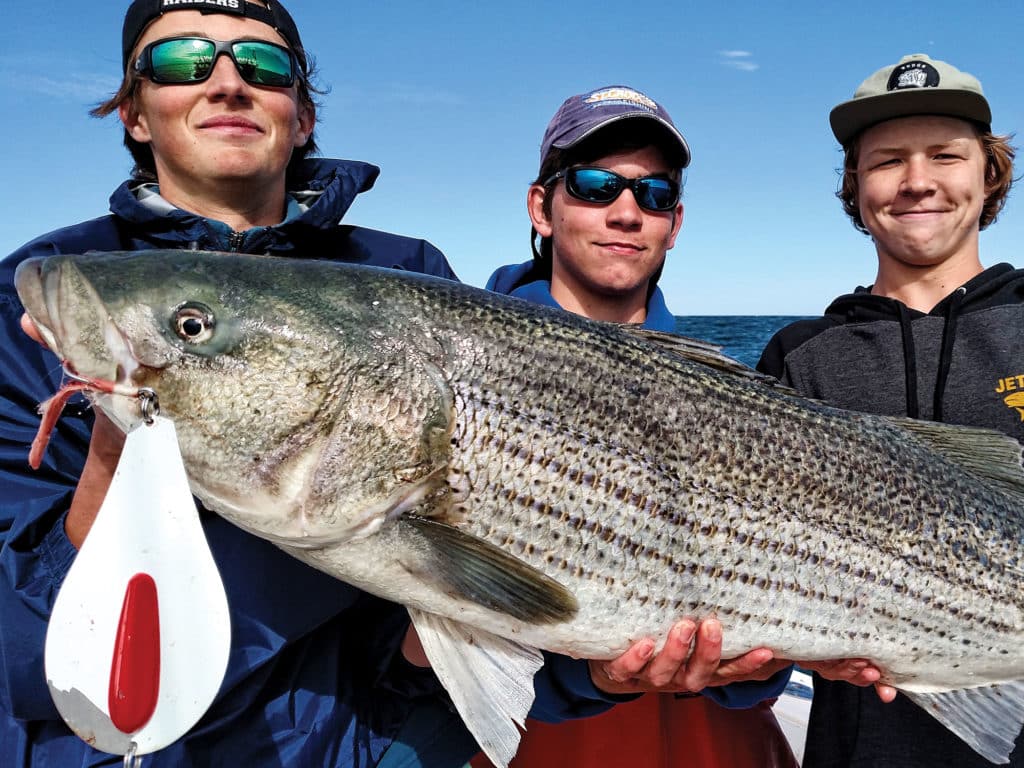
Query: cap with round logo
{"points": [[916, 85], [583, 115]]}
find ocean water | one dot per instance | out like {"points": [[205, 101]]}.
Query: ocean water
{"points": [[741, 336]]}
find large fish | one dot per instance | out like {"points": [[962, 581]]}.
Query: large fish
{"points": [[523, 478]]}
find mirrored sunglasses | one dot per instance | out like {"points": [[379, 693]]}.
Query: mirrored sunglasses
{"points": [[599, 185], [185, 60]]}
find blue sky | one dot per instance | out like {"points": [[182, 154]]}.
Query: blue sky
{"points": [[451, 99]]}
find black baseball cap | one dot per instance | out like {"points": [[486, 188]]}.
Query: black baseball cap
{"points": [[143, 12]]}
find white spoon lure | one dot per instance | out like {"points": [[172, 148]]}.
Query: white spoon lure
{"points": [[139, 636]]}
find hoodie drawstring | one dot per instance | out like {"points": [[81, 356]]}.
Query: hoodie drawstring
{"points": [[952, 314], [909, 360], [946, 352]]}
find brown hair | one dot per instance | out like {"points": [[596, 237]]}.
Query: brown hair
{"points": [[999, 156], [142, 154]]}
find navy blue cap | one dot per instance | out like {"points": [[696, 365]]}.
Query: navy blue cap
{"points": [[142, 12], [582, 115]]}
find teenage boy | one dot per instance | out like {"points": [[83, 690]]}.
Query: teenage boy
{"points": [[606, 208], [936, 336]]}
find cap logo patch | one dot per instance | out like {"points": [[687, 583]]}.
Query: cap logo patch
{"points": [[621, 96], [228, 5], [913, 74]]}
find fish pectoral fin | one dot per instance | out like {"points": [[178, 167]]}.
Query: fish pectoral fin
{"points": [[489, 679], [993, 456], [470, 568], [988, 718]]}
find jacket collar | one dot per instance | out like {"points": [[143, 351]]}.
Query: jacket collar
{"points": [[521, 281], [326, 188]]}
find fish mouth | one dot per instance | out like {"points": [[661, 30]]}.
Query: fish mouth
{"points": [[29, 281], [76, 325], [73, 320]]}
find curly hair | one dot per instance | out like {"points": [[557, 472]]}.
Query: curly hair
{"points": [[999, 155]]}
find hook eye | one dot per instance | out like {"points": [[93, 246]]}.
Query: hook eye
{"points": [[150, 405]]}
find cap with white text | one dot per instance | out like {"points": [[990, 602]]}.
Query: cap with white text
{"points": [[916, 85], [142, 13], [583, 115]]}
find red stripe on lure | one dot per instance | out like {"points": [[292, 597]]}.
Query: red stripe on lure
{"points": [[135, 669]]}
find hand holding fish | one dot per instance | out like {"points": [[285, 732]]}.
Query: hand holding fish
{"points": [[30, 329], [674, 669], [856, 671]]}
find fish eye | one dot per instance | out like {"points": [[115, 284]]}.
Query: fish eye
{"points": [[194, 323]]}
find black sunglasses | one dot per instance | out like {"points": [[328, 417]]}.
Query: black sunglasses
{"points": [[599, 185], [186, 60]]}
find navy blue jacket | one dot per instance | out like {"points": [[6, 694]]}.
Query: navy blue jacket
{"points": [[315, 677]]}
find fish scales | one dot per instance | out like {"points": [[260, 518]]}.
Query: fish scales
{"points": [[697, 478], [616, 448], [648, 485], [528, 397]]}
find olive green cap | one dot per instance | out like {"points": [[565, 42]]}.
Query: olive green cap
{"points": [[916, 85]]}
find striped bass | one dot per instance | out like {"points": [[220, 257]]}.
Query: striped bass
{"points": [[522, 478]]}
